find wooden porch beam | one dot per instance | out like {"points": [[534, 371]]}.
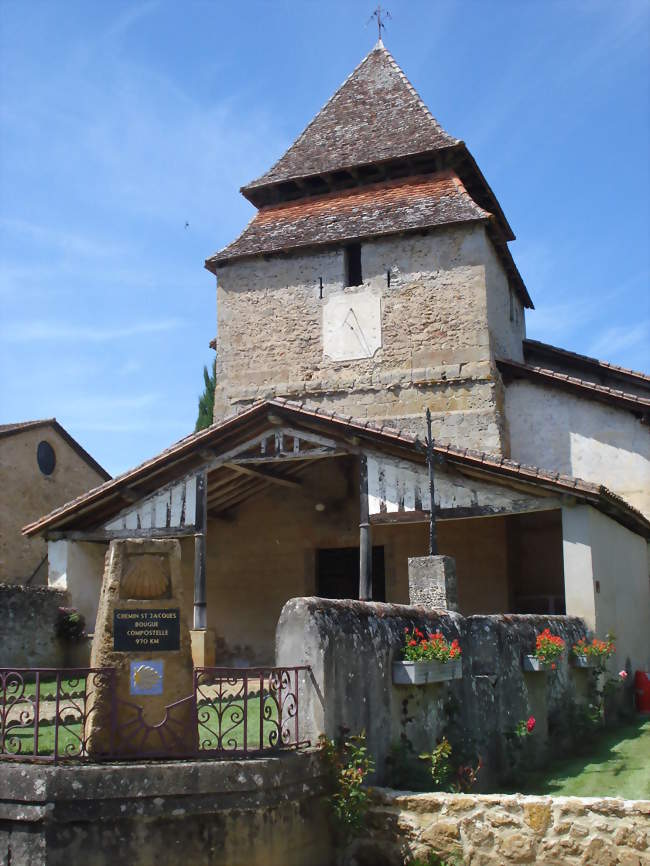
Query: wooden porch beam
{"points": [[262, 474], [110, 534]]}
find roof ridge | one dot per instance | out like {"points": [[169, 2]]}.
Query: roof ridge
{"points": [[375, 47], [414, 92], [482, 459], [607, 364], [271, 177], [568, 378]]}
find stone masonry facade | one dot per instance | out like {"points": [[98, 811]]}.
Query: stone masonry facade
{"points": [[498, 829], [448, 312]]}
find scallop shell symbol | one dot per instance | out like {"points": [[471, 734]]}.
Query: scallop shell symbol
{"points": [[146, 677], [147, 577]]}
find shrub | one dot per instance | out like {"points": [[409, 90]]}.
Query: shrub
{"points": [[70, 624], [349, 764]]}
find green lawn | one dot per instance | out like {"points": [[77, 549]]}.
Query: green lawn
{"points": [[69, 688], [617, 764], [20, 740], [232, 725]]}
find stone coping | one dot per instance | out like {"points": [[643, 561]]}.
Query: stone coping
{"points": [[439, 801], [33, 792]]}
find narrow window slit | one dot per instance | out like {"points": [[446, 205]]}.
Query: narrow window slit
{"points": [[353, 265]]}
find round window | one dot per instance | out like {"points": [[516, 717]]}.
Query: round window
{"points": [[46, 458]]}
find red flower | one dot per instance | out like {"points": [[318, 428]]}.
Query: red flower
{"points": [[530, 724], [413, 643]]}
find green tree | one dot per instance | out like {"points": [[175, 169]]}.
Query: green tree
{"points": [[206, 400]]}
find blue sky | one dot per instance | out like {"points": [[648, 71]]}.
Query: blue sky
{"points": [[120, 122]]}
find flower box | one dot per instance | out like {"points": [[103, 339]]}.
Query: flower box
{"points": [[531, 664], [424, 672]]}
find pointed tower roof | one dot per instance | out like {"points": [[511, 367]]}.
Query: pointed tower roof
{"points": [[376, 115]]}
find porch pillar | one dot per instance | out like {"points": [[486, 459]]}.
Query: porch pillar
{"points": [[200, 618], [365, 538], [202, 638]]}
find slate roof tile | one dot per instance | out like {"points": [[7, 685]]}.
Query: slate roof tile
{"points": [[375, 115]]}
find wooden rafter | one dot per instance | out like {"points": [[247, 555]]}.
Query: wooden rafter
{"points": [[262, 474]]}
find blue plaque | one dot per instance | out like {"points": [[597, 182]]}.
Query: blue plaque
{"points": [[146, 678]]}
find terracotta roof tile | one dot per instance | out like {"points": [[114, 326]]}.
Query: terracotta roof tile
{"points": [[583, 387], [535, 350], [381, 208]]}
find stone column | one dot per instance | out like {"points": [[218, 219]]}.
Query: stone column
{"points": [[145, 704], [432, 582]]}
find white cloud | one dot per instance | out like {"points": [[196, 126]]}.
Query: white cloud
{"points": [[20, 332], [621, 339]]}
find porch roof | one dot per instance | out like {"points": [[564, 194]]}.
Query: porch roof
{"points": [[229, 485]]}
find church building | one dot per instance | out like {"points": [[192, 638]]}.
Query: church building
{"points": [[374, 283]]}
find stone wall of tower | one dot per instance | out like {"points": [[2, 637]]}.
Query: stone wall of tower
{"points": [[439, 334]]}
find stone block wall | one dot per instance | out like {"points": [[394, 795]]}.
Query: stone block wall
{"points": [[351, 646], [27, 626], [438, 338], [203, 813], [495, 830]]}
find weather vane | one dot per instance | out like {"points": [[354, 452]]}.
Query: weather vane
{"points": [[382, 15]]}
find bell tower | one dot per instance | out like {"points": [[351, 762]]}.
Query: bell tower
{"points": [[375, 279]]}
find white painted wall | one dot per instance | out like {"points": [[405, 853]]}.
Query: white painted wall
{"points": [[399, 485], [556, 430], [78, 567], [600, 554]]}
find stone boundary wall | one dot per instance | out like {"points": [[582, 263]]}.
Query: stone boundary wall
{"points": [[204, 813], [495, 830], [351, 645], [27, 626]]}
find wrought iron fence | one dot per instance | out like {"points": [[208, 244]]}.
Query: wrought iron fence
{"points": [[50, 714], [45, 713], [246, 711]]}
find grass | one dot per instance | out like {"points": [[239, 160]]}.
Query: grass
{"points": [[617, 765], [69, 742], [232, 726], [231, 732], [70, 688]]}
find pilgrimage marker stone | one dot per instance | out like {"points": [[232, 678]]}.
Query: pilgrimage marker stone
{"points": [[142, 633]]}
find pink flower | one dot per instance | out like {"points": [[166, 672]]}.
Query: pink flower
{"points": [[530, 724], [622, 675]]}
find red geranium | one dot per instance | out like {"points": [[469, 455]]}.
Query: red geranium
{"points": [[417, 647]]}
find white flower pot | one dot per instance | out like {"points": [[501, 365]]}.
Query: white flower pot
{"points": [[582, 662], [531, 664], [424, 672]]}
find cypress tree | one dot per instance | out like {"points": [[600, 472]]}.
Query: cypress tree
{"points": [[206, 400]]}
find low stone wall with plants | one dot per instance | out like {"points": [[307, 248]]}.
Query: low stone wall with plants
{"points": [[484, 715], [38, 629], [493, 830]]}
